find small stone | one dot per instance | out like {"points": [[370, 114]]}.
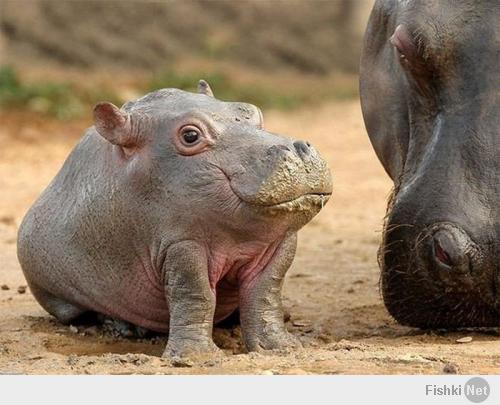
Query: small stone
{"points": [[350, 290], [450, 368], [135, 358], [21, 289], [73, 329], [301, 323], [5, 287], [181, 362], [466, 339], [254, 355], [72, 360], [267, 372]]}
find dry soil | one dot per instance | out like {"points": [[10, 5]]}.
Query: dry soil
{"points": [[331, 291]]}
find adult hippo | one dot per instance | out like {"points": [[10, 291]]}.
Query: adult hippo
{"points": [[430, 76]]}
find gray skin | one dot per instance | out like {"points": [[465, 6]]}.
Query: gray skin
{"points": [[430, 76], [171, 213]]}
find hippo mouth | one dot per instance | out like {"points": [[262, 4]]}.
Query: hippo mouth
{"points": [[314, 200], [304, 202]]}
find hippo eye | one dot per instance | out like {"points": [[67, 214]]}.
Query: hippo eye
{"points": [[191, 140], [190, 136]]}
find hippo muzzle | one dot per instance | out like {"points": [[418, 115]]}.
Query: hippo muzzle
{"points": [[290, 178]]}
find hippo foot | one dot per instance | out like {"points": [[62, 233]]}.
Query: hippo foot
{"points": [[192, 350], [283, 340]]}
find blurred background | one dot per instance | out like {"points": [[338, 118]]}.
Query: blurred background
{"points": [[59, 57]]}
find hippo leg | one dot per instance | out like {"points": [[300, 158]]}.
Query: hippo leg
{"points": [[61, 309], [190, 299], [261, 310]]}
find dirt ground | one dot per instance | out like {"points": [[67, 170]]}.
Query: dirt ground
{"points": [[331, 291]]}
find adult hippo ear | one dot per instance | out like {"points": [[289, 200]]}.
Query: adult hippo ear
{"points": [[383, 90], [114, 125]]}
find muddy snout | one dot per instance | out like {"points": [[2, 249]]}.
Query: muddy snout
{"points": [[298, 173], [281, 175]]}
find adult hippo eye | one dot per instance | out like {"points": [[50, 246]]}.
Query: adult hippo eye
{"points": [[417, 67], [190, 136], [404, 44]]}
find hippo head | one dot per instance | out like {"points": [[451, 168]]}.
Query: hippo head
{"points": [[430, 94], [211, 167]]}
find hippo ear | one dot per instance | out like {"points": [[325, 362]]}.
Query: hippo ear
{"points": [[204, 88], [113, 124]]}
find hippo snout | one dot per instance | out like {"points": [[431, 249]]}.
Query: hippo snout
{"points": [[439, 275], [288, 176]]}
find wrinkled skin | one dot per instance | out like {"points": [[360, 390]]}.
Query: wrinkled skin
{"points": [[430, 77], [171, 213]]}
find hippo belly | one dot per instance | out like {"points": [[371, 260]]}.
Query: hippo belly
{"points": [[141, 300]]}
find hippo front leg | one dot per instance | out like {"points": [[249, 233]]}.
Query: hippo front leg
{"points": [[261, 310], [190, 299]]}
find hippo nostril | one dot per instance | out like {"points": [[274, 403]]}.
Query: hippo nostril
{"points": [[302, 148], [283, 147], [450, 247], [441, 254]]}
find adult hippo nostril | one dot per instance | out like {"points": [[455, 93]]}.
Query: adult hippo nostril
{"points": [[451, 248], [441, 255]]}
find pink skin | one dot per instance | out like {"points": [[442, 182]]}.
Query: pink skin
{"points": [[232, 268]]}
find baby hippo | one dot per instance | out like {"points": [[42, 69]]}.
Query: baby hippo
{"points": [[171, 213]]}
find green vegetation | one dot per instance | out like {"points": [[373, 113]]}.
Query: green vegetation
{"points": [[65, 100], [226, 89], [61, 100]]}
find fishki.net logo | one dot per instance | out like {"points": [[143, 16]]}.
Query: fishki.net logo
{"points": [[476, 390]]}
